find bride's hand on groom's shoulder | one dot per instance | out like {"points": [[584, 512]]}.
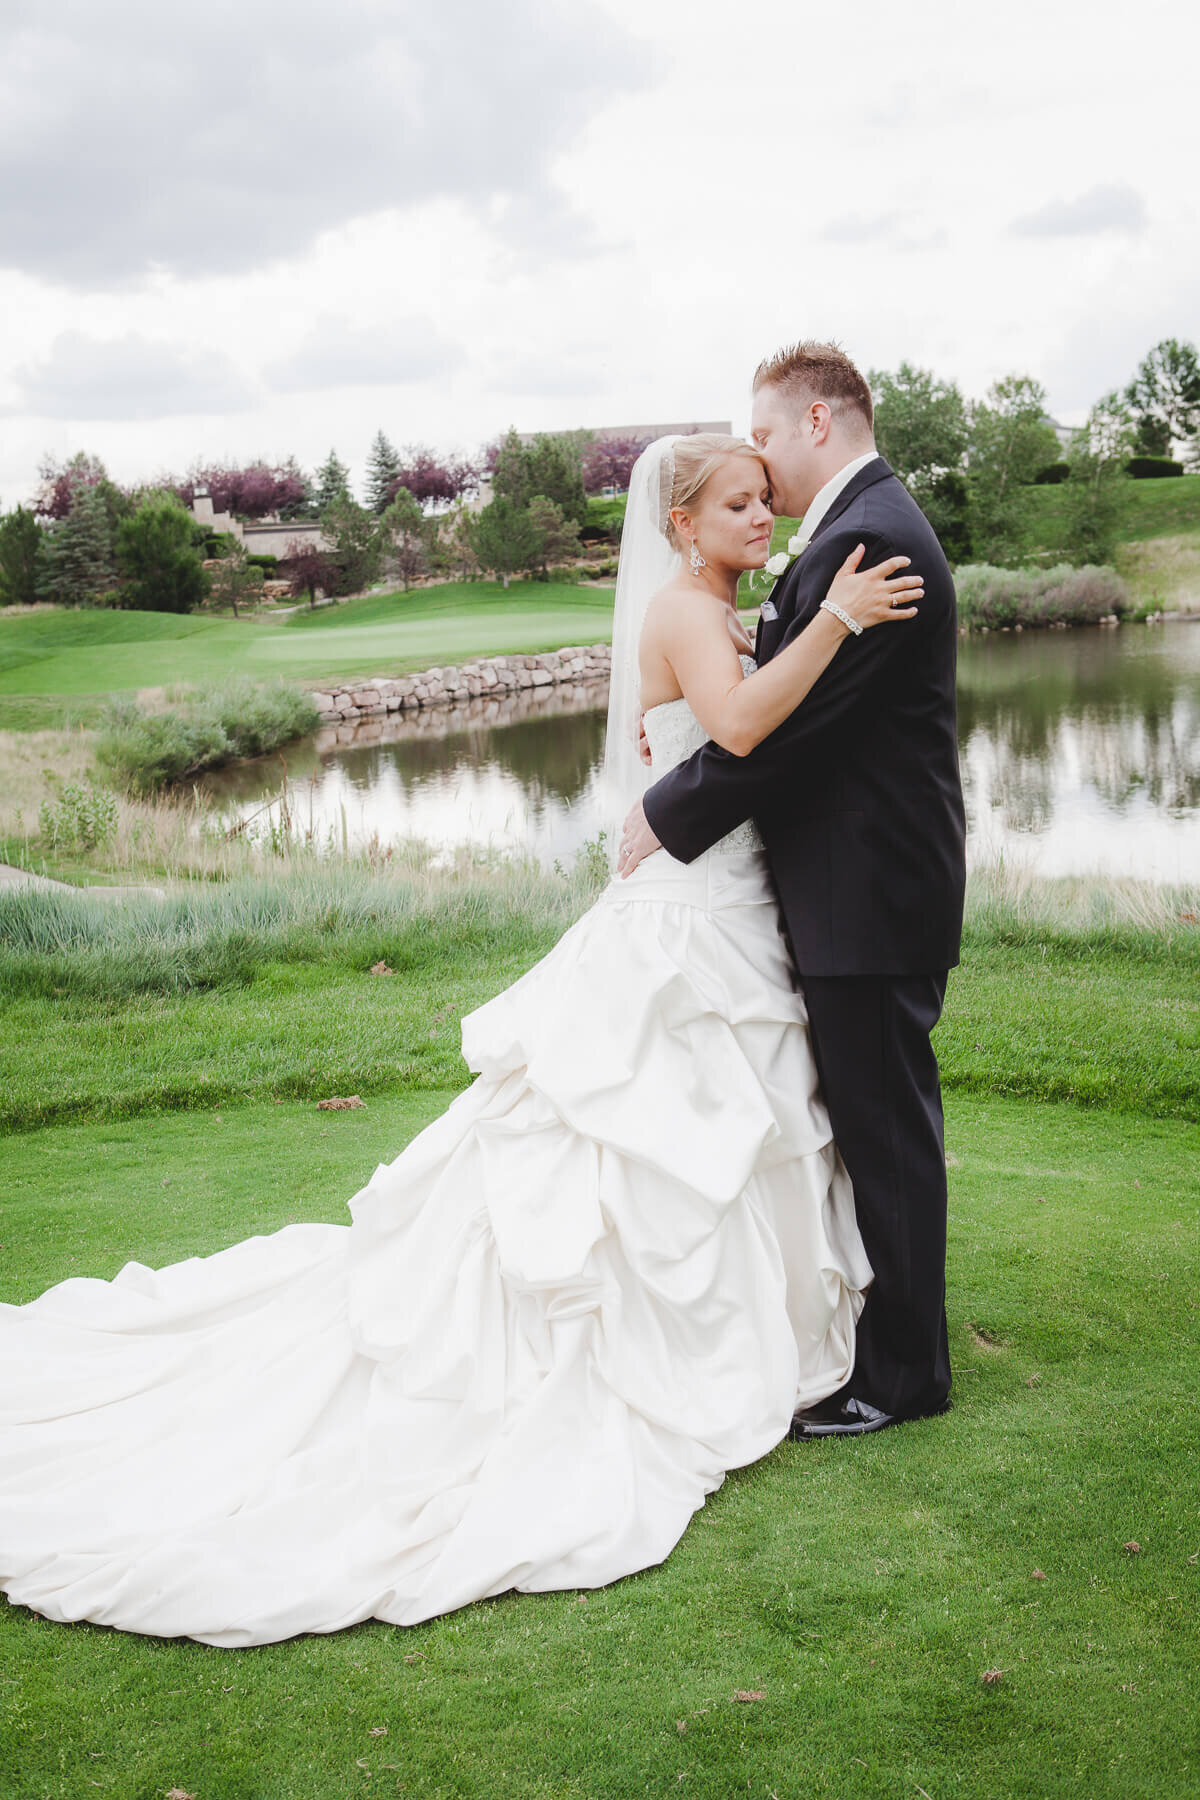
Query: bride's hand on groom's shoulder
{"points": [[637, 842], [879, 595]]}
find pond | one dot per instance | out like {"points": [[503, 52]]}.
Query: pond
{"points": [[1080, 753]]}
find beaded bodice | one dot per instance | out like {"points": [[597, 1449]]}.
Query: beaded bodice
{"points": [[673, 732]]}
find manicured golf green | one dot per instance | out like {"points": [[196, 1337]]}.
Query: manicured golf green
{"points": [[75, 653]]}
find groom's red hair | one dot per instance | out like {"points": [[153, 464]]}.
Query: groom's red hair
{"points": [[810, 371]]}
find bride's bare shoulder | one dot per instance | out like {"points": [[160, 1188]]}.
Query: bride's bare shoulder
{"points": [[677, 605]]}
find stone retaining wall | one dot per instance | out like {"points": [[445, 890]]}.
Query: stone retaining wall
{"points": [[493, 676]]}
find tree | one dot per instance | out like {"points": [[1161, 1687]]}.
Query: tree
{"points": [[61, 482], [557, 538], [1164, 397], [921, 428], [255, 491], [235, 581], [1095, 488], [1010, 440], [353, 555], [403, 538], [608, 462], [157, 556], [78, 561], [307, 570], [431, 480], [383, 473], [453, 552], [21, 551], [550, 465], [298, 498], [331, 482], [505, 538]]}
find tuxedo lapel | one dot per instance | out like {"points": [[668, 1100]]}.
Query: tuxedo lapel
{"points": [[874, 471], [785, 594]]}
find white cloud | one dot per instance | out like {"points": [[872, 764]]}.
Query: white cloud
{"points": [[337, 353], [129, 377], [200, 139], [603, 211], [1102, 208]]}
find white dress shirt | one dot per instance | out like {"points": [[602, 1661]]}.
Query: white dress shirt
{"points": [[821, 502]]}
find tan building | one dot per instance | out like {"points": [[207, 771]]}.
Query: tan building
{"points": [[261, 537]]}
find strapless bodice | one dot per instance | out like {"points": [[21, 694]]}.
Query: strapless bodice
{"points": [[674, 733]]}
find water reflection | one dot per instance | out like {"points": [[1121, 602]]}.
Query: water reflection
{"points": [[514, 773], [1080, 751]]}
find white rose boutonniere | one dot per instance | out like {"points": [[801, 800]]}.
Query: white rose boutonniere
{"points": [[781, 562]]}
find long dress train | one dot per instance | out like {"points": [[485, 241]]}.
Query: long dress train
{"points": [[603, 1277]]}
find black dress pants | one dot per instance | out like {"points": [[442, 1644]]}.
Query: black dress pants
{"points": [[879, 1077]]}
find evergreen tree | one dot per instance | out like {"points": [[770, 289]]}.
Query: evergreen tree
{"points": [[404, 536], [354, 556], [235, 581], [300, 502], [331, 482], [21, 551], [505, 538], [158, 558], [551, 465], [557, 537], [453, 550], [78, 563], [383, 474]]}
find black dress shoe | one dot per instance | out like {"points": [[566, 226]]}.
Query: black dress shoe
{"points": [[839, 1418]]}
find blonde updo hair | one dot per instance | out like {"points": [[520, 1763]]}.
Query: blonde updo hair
{"points": [[696, 459]]}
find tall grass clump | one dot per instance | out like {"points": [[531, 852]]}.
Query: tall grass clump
{"points": [[145, 753], [1012, 906], [989, 599], [222, 936]]}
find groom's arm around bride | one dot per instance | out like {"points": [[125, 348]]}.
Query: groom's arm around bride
{"points": [[858, 799]]}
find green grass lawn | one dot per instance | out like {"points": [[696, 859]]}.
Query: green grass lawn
{"points": [[1149, 509], [227, 998], [61, 663], [860, 1591]]}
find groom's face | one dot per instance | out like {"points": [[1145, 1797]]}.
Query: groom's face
{"points": [[782, 432]]}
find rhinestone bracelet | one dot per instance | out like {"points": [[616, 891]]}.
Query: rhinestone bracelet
{"points": [[831, 606]]}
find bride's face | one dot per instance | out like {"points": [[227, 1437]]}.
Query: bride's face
{"points": [[732, 515]]}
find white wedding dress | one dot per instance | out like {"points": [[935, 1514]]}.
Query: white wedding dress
{"points": [[606, 1275]]}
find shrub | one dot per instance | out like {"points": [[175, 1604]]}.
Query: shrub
{"points": [[262, 559], [146, 752], [82, 818], [991, 598], [1052, 474], [1150, 468], [155, 550]]}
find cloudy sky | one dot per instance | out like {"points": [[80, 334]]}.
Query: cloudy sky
{"points": [[257, 229]]}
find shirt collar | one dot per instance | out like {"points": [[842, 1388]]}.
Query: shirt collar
{"points": [[824, 499]]}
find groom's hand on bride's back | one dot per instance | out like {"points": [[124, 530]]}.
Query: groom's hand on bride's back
{"points": [[644, 742]]}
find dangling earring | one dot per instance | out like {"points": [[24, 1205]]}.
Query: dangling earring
{"points": [[696, 560]]}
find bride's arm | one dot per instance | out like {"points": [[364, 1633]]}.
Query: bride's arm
{"points": [[738, 711]]}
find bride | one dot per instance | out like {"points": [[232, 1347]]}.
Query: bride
{"points": [[607, 1274]]}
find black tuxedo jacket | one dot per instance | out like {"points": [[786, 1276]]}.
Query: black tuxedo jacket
{"points": [[857, 795]]}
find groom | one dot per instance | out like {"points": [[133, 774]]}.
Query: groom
{"points": [[858, 800]]}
